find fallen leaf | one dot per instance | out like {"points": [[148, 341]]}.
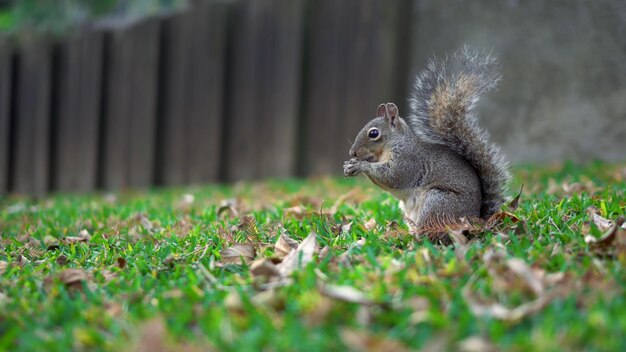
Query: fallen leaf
{"points": [[297, 211], [512, 206], [345, 229], [238, 254], [500, 312], [608, 237], [458, 237], [300, 256], [363, 341], [62, 260], [522, 270], [476, 344], [284, 245], [264, 267], [152, 336], [345, 293], [248, 226], [3, 266], [121, 262], [73, 278], [230, 206], [370, 224], [83, 236]]}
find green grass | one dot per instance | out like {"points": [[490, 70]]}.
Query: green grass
{"points": [[174, 279]]}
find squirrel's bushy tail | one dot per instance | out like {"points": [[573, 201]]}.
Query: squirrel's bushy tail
{"points": [[441, 112]]}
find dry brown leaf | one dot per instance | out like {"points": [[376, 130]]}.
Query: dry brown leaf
{"points": [[73, 278], [3, 266], [370, 224], [601, 223], [230, 206], [297, 211], [152, 336], [83, 236], [248, 226], [284, 245], [458, 237], [476, 344], [608, 237], [264, 267], [346, 228], [62, 260], [345, 293], [300, 256], [530, 277], [121, 262], [357, 340], [238, 254], [500, 312], [512, 206]]}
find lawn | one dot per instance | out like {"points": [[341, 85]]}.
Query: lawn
{"points": [[324, 264]]}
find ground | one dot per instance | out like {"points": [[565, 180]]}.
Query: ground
{"points": [[324, 264]]}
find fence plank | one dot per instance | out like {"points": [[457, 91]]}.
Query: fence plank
{"points": [[192, 82], [6, 74], [351, 70], [78, 90], [325, 94], [264, 93], [205, 110], [175, 47], [31, 172], [280, 52], [130, 100]]}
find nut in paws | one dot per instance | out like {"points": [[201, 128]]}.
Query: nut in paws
{"points": [[353, 167]]}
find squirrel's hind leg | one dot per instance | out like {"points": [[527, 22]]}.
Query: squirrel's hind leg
{"points": [[438, 210]]}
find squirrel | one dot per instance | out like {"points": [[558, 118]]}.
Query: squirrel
{"points": [[437, 160]]}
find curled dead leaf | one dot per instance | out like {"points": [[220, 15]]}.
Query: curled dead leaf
{"points": [[512, 206], [73, 278], [248, 226], [297, 211], [284, 245], [364, 341], [345, 293], [300, 256], [370, 224], [62, 260], [264, 267], [601, 223], [609, 236], [476, 344], [229, 206], [121, 262], [238, 254]]}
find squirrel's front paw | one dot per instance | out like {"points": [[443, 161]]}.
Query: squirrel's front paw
{"points": [[353, 167]]}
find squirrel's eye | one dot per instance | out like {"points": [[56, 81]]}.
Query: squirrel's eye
{"points": [[373, 133]]}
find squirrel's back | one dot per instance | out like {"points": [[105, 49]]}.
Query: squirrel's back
{"points": [[441, 112]]}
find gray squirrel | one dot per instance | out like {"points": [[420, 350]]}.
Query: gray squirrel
{"points": [[437, 160]]}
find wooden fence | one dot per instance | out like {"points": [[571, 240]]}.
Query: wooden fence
{"points": [[220, 91]]}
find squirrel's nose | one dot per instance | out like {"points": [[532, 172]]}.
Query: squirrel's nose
{"points": [[352, 153]]}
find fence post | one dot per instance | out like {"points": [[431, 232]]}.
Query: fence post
{"points": [[351, 69], [191, 95], [6, 84], [32, 146], [78, 93], [130, 104], [263, 98]]}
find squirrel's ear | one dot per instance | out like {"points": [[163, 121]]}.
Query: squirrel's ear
{"points": [[392, 113], [381, 111]]}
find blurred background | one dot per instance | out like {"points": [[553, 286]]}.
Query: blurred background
{"points": [[115, 94]]}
